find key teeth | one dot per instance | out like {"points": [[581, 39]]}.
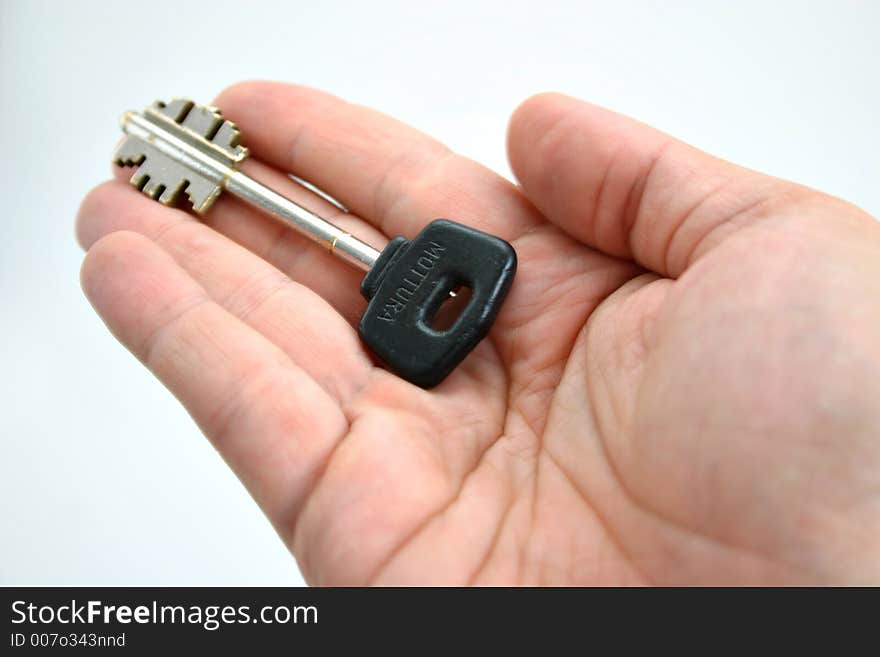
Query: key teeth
{"points": [[153, 188], [228, 135], [133, 161], [176, 110], [206, 121], [170, 195], [162, 178], [202, 121], [228, 138], [129, 153], [202, 195], [138, 179]]}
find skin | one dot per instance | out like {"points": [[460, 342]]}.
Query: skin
{"points": [[683, 386]]}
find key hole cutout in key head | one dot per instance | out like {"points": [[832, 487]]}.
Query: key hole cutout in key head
{"points": [[451, 305]]}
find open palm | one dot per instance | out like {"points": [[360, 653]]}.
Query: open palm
{"points": [[681, 387]]}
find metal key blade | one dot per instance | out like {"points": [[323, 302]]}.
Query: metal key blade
{"points": [[181, 146]]}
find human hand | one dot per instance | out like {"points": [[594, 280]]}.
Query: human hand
{"points": [[682, 387]]}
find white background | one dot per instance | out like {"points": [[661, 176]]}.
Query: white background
{"points": [[104, 479]]}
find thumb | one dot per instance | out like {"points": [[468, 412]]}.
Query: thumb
{"points": [[629, 190]]}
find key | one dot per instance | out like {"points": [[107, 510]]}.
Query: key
{"points": [[182, 147]]}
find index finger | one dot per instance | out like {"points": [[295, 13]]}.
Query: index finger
{"points": [[383, 170]]}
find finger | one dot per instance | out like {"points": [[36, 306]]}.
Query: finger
{"points": [[300, 322], [273, 424], [627, 189], [295, 255], [388, 173]]}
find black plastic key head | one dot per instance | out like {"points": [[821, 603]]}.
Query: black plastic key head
{"points": [[409, 283]]}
